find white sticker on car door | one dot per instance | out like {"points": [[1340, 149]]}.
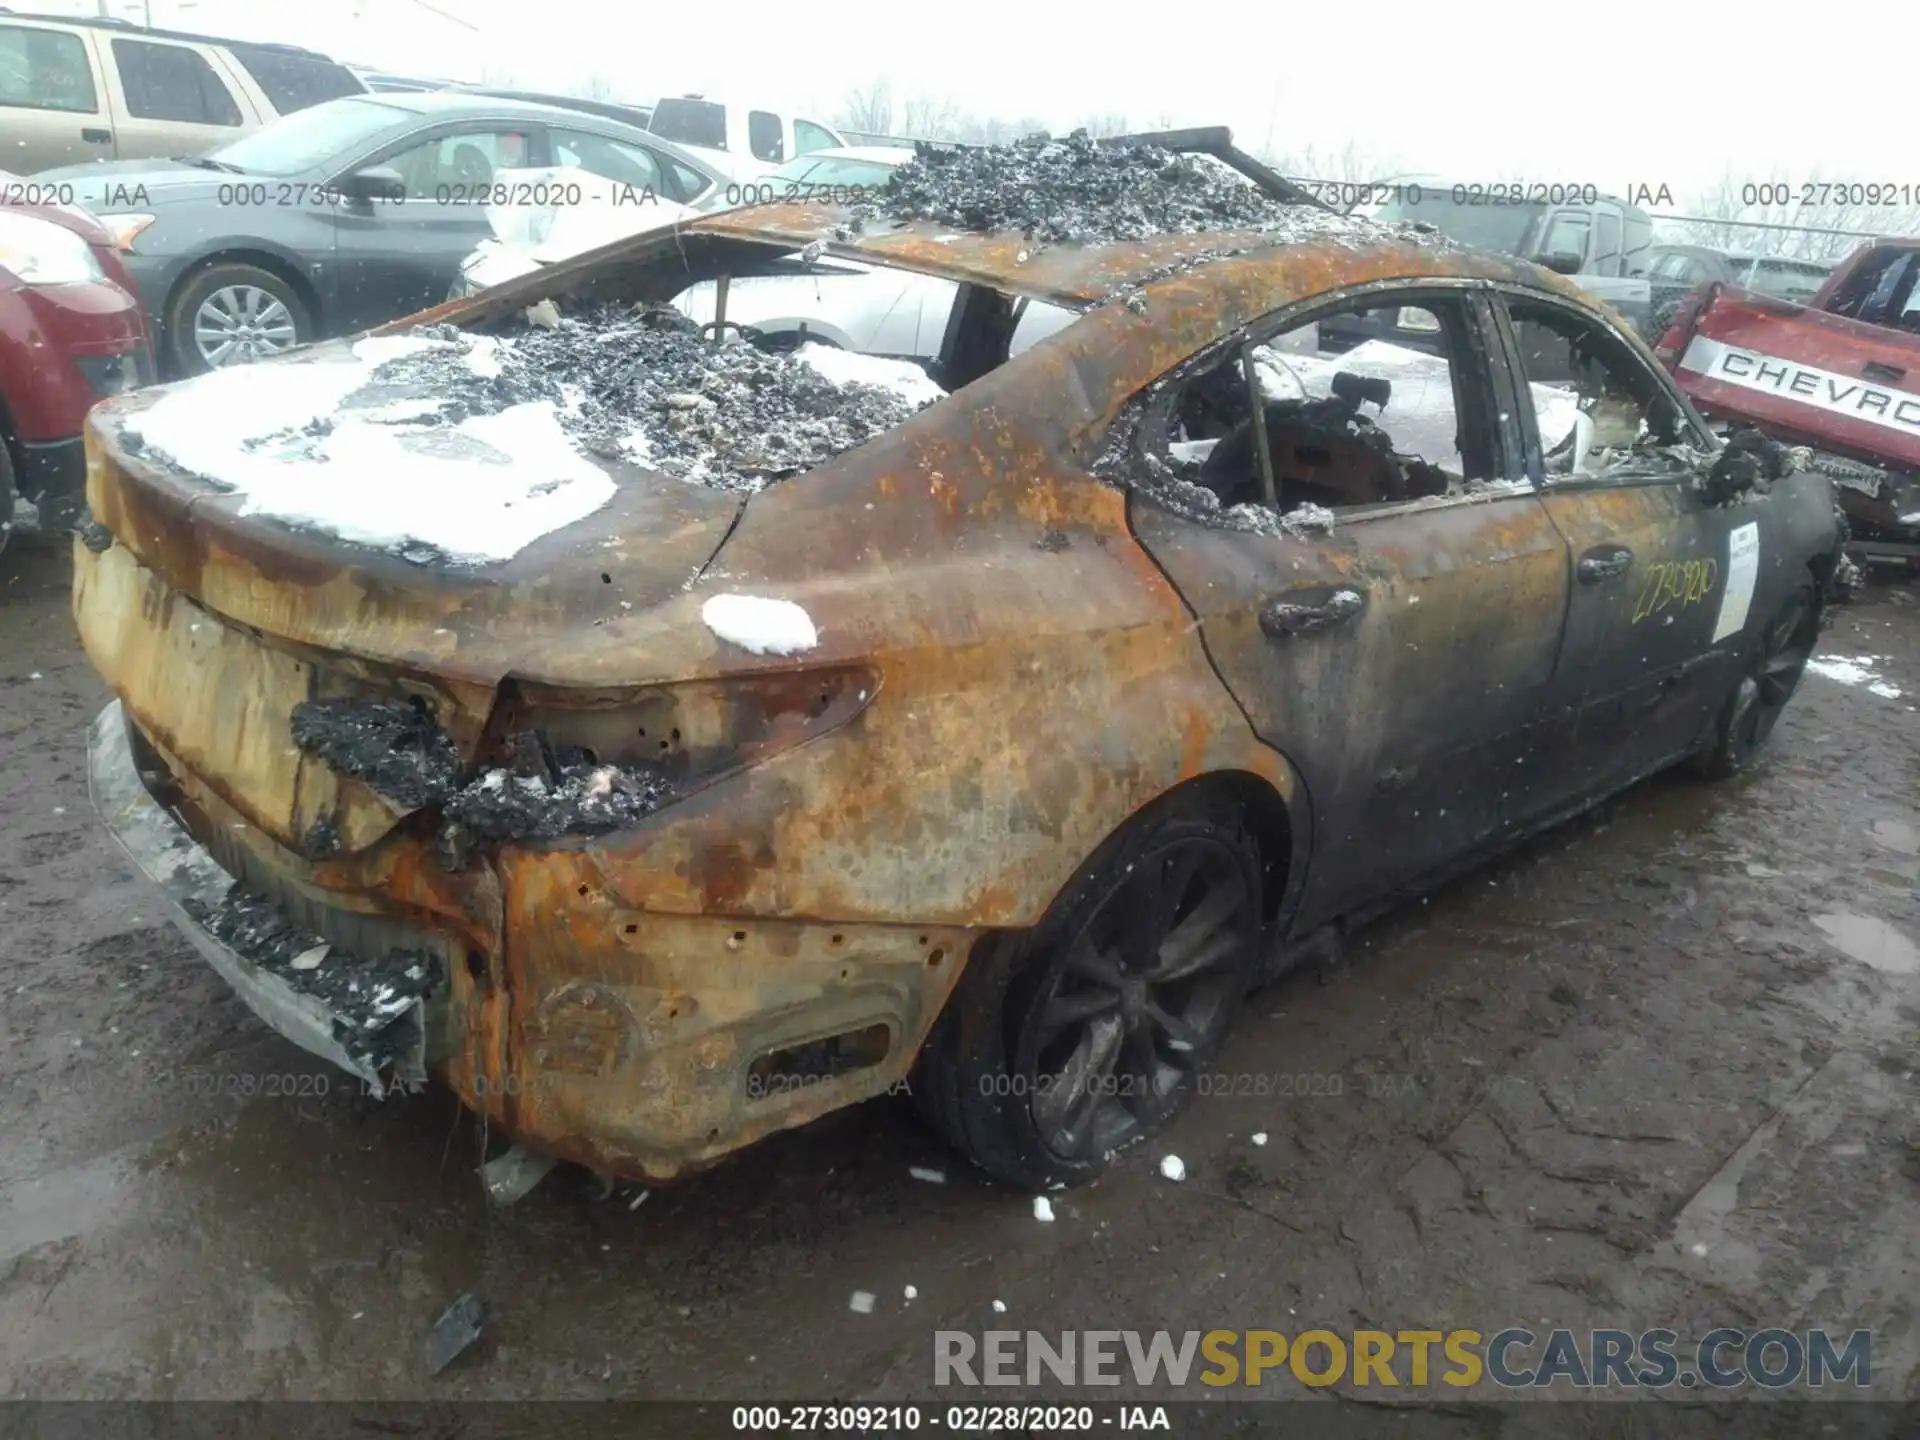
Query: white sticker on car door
{"points": [[1743, 566]]}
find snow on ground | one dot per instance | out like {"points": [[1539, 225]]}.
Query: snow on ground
{"points": [[762, 626], [283, 436], [1855, 670]]}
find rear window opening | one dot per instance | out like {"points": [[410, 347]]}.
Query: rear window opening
{"points": [[1883, 291], [690, 122], [1508, 228], [448, 445], [293, 81]]}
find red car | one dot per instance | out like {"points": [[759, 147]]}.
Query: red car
{"points": [[71, 332], [1839, 374]]}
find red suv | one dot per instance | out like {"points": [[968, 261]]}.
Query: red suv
{"points": [[71, 332]]}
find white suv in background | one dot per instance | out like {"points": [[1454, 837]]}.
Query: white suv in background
{"points": [[745, 142]]}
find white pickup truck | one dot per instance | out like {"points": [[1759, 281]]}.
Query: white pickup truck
{"points": [[743, 141]]}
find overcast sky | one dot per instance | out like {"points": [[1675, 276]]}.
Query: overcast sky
{"points": [[1619, 94]]}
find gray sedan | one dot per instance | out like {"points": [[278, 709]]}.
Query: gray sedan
{"points": [[345, 215]]}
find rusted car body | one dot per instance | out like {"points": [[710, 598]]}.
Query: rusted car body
{"points": [[1021, 658]]}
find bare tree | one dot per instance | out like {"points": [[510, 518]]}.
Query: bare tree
{"points": [[930, 117], [869, 110], [1809, 207], [1350, 164], [1103, 125]]}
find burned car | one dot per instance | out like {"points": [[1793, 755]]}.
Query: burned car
{"points": [[665, 741]]}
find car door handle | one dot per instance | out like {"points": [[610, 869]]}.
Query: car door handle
{"points": [[1283, 617], [1604, 564], [96, 137], [1874, 370]]}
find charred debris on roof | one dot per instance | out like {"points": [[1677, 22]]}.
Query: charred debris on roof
{"points": [[645, 387], [1078, 190], [397, 748], [634, 385]]}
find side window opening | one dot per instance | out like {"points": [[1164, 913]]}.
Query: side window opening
{"points": [[764, 136], [1343, 424], [609, 159], [1595, 407], [293, 82], [45, 70], [1878, 289], [458, 168], [172, 82], [808, 137], [1566, 234]]}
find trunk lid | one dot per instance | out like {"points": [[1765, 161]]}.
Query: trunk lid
{"points": [[213, 624]]}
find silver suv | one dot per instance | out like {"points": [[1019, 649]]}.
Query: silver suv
{"points": [[76, 90]]}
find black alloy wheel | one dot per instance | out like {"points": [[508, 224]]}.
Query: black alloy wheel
{"points": [[1071, 1044]]}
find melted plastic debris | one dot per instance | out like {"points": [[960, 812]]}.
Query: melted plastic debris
{"points": [[760, 626], [455, 1332], [366, 996], [583, 799], [1077, 191], [400, 750], [394, 746], [1308, 520]]}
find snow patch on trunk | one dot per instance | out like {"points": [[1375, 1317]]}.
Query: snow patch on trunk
{"points": [[284, 438], [761, 626]]}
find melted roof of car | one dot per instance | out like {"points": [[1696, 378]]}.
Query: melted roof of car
{"points": [[1084, 273]]}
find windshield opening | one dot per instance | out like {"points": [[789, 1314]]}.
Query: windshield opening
{"points": [[1489, 227], [1785, 279], [811, 170], [691, 122], [311, 138]]}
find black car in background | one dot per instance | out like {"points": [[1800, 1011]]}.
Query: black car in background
{"points": [[345, 215]]}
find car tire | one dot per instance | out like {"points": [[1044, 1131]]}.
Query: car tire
{"points": [[1077, 999], [268, 317], [1766, 683]]}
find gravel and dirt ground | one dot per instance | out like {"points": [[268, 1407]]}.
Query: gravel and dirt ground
{"points": [[1657, 1068]]}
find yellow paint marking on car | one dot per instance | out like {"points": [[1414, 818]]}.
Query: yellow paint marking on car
{"points": [[1675, 584]]}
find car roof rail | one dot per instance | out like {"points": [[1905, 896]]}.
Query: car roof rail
{"points": [[1217, 141], [128, 28]]}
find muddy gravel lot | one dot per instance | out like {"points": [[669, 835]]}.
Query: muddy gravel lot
{"points": [[1658, 1068]]}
